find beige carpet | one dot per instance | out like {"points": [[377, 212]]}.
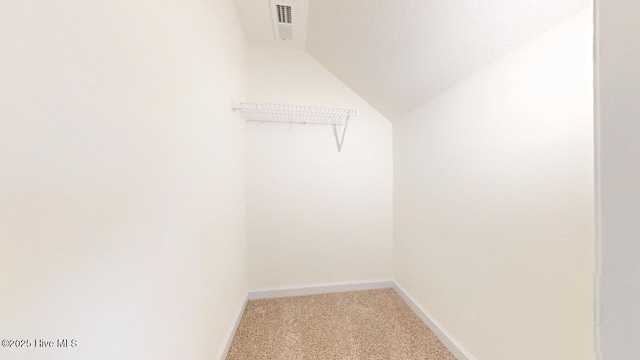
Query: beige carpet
{"points": [[374, 324]]}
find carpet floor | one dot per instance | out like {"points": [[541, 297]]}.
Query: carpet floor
{"points": [[358, 325]]}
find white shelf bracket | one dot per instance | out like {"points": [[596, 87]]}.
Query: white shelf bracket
{"points": [[340, 140]]}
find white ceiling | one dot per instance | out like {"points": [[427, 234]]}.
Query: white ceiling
{"points": [[397, 54]]}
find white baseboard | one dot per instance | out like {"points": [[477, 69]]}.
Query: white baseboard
{"points": [[314, 289], [232, 330], [438, 329]]}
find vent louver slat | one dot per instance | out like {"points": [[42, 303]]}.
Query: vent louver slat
{"points": [[284, 14]]}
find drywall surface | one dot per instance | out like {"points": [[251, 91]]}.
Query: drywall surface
{"points": [[399, 54], [314, 215], [122, 184], [494, 202], [618, 126]]}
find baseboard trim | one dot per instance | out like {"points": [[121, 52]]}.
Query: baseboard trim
{"points": [[315, 289], [438, 329], [232, 330]]}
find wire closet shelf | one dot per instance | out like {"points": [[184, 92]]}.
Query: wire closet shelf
{"points": [[296, 114]]}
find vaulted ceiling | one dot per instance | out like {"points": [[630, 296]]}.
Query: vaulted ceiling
{"points": [[398, 54]]}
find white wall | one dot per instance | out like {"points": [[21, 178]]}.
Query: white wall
{"points": [[122, 184], [618, 127], [313, 215], [494, 202]]}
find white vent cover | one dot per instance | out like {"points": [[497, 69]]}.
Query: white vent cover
{"points": [[283, 16]]}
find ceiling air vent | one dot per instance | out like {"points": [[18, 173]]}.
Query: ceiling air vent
{"points": [[282, 13]]}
